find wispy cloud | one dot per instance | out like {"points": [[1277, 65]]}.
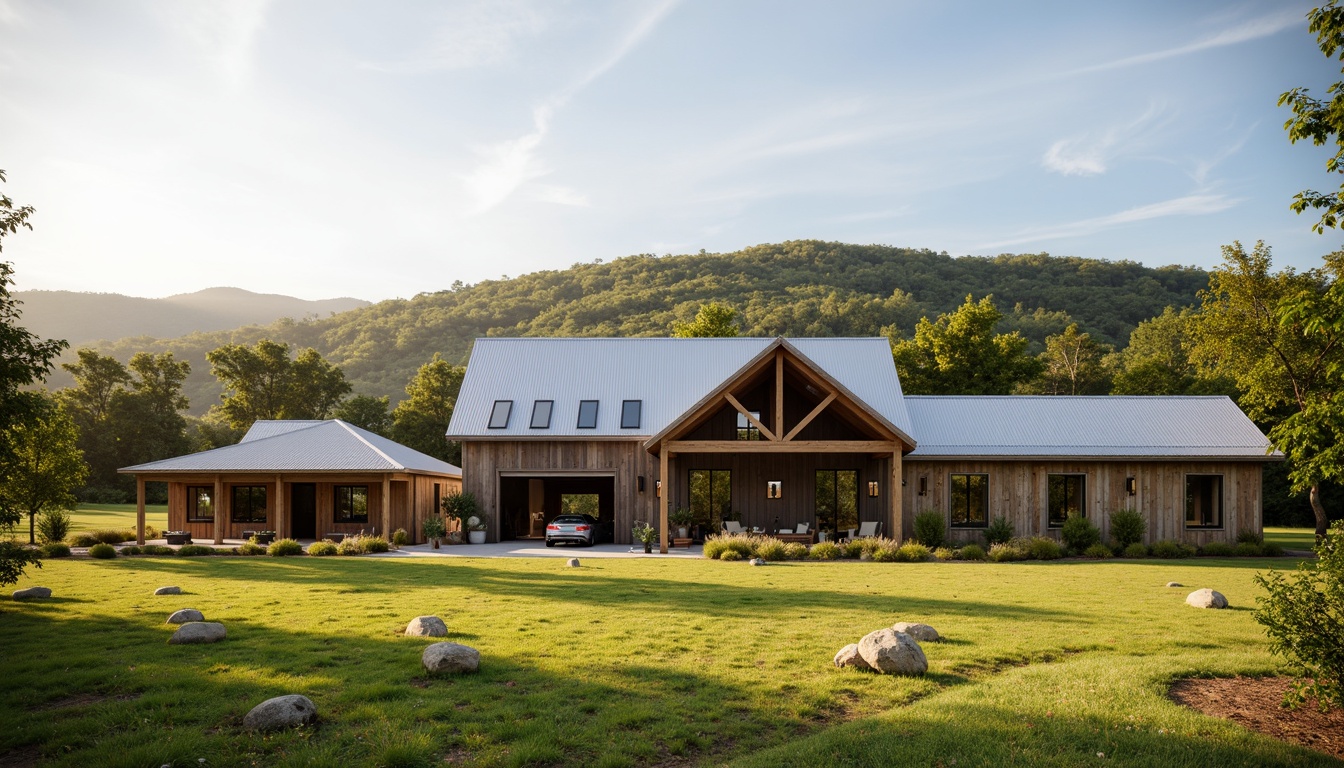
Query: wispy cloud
{"points": [[476, 34], [1190, 205], [1091, 154], [1252, 29], [507, 165]]}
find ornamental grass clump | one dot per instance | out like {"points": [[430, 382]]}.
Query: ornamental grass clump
{"points": [[113, 536], [825, 550], [1169, 550], [1218, 549], [102, 551], [1250, 537], [972, 552], [1127, 527], [194, 550], [1009, 551], [1098, 552], [55, 549], [912, 552], [156, 549], [769, 548], [322, 548], [350, 546], [284, 548], [731, 555], [795, 551], [372, 544], [717, 545], [888, 552], [1136, 551], [1043, 548], [945, 553], [250, 549], [83, 540], [400, 538], [929, 529], [1247, 549]]}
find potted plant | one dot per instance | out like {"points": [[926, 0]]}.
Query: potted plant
{"points": [[645, 534], [463, 507], [682, 519], [434, 529], [476, 525]]}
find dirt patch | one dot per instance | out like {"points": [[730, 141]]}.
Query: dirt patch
{"points": [[23, 757], [1256, 704]]}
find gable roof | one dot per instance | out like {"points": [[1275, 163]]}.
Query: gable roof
{"points": [[669, 377], [1101, 427], [305, 446]]}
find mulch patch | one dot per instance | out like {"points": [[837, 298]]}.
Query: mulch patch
{"points": [[1256, 703]]}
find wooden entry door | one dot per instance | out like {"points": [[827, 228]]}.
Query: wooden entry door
{"points": [[303, 510]]}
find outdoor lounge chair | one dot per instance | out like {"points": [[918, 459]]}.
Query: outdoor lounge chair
{"points": [[802, 528], [733, 527], [868, 530]]}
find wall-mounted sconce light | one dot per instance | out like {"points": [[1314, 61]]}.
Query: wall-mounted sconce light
{"points": [[774, 489], [658, 489], [1131, 486], [873, 488], [923, 484], [641, 483]]}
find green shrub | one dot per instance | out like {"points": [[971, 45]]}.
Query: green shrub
{"points": [[930, 529], [1136, 551], [53, 525], [284, 548], [1079, 533], [250, 548], [1296, 613], [998, 532], [102, 551], [795, 551], [731, 554], [886, 553], [1043, 548], [1005, 553], [322, 548], [1271, 549], [770, 549], [912, 552], [400, 538], [194, 550], [716, 545], [1218, 549], [151, 532], [83, 540], [1168, 549], [1247, 549], [1127, 527], [131, 550], [371, 544], [1098, 552], [55, 549], [945, 553], [113, 537], [972, 552], [1250, 537], [852, 549], [350, 545], [156, 549], [825, 550]]}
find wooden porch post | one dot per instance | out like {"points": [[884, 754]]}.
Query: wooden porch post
{"points": [[139, 509], [896, 524], [662, 498], [387, 506], [219, 509], [411, 484], [280, 532]]}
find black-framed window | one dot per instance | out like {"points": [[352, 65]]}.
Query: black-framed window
{"points": [[1203, 501], [837, 498], [745, 429], [499, 414], [541, 414], [352, 503], [969, 504], [630, 413], [249, 504], [1066, 496], [711, 496], [587, 414], [200, 504]]}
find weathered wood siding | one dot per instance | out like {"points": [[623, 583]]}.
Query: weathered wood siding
{"points": [[1018, 491], [484, 461]]}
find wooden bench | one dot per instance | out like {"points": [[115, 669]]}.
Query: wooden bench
{"points": [[798, 538], [680, 543]]}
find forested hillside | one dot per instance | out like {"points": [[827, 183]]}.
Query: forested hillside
{"points": [[800, 288]]}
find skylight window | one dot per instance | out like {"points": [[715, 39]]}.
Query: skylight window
{"points": [[541, 414], [587, 414], [499, 415], [630, 413]]}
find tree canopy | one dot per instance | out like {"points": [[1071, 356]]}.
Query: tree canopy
{"points": [[263, 382], [712, 321], [1321, 120], [421, 420], [961, 354], [45, 465]]}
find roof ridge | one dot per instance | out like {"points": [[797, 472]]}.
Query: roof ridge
{"points": [[352, 429]]}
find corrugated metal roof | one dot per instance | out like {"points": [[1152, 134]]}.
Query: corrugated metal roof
{"points": [[305, 446], [668, 375], [1093, 427]]}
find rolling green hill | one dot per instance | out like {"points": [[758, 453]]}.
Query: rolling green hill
{"points": [[798, 288]]}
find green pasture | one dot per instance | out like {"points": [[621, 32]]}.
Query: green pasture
{"points": [[97, 517], [1292, 538], [631, 663]]}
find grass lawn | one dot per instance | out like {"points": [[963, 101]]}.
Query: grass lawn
{"points": [[97, 517], [1292, 538], [631, 662]]}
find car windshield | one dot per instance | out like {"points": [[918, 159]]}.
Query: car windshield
{"points": [[569, 519]]}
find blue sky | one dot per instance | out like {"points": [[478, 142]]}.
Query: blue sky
{"points": [[378, 150]]}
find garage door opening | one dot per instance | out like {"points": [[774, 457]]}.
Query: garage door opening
{"points": [[526, 504]]}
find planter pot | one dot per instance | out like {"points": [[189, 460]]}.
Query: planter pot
{"points": [[821, 535], [476, 537], [648, 549], [436, 543], [682, 532]]}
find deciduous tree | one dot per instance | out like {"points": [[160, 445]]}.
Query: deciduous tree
{"points": [[960, 354], [1072, 364], [421, 420], [371, 413], [1321, 120], [262, 382], [44, 467], [712, 321]]}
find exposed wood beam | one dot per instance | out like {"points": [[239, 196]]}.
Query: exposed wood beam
{"points": [[663, 499], [779, 391], [896, 493], [754, 421], [281, 529], [219, 509], [387, 506], [808, 419], [886, 447]]}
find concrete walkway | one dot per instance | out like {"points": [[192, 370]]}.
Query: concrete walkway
{"points": [[536, 549]]}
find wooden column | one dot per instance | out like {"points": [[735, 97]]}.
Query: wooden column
{"points": [[280, 532], [387, 506], [895, 524], [415, 510], [139, 510], [220, 511], [662, 498]]}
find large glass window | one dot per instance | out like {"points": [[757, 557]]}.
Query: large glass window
{"points": [[630, 413], [970, 500], [249, 504], [1203, 501], [541, 414], [200, 504], [837, 499], [352, 503], [1066, 498], [711, 497], [745, 429], [499, 415], [587, 414]]}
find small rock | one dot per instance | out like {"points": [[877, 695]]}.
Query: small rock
{"points": [[427, 626], [849, 656], [756, 561], [921, 632], [1206, 598], [450, 658], [185, 615], [573, 562], [31, 592], [281, 712], [168, 591], [1175, 584], [198, 632], [893, 653]]}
